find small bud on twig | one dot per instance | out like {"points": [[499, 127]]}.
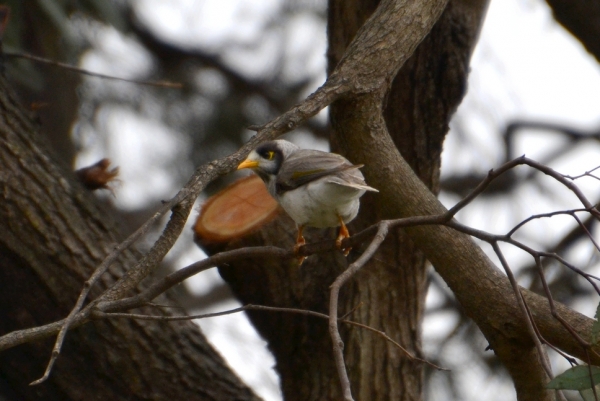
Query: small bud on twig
{"points": [[98, 175]]}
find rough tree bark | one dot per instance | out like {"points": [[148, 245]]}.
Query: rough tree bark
{"points": [[53, 235]]}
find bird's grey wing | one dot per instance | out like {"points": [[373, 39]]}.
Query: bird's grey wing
{"points": [[306, 165]]}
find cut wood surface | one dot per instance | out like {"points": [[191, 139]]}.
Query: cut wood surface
{"points": [[240, 208]]}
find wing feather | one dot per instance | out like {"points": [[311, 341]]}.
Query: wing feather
{"points": [[306, 165]]}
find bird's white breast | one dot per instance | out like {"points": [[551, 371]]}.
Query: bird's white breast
{"points": [[319, 203]]}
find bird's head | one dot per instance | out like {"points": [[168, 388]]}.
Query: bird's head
{"points": [[267, 158]]}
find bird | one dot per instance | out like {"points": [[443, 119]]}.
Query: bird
{"points": [[315, 188]]}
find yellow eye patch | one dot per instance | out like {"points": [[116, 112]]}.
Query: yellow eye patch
{"points": [[270, 155]]}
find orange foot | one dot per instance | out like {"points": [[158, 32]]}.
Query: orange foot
{"points": [[344, 233], [300, 241]]}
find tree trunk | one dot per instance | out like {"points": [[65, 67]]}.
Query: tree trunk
{"points": [[53, 235], [422, 98]]}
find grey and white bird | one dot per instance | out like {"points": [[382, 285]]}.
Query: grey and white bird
{"points": [[315, 188]]}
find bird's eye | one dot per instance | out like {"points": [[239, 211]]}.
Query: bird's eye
{"points": [[270, 155]]}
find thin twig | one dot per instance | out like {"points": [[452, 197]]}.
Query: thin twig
{"points": [[538, 264], [570, 212], [585, 229], [570, 266], [338, 344], [406, 352], [347, 315], [586, 174], [589, 364], [543, 358], [306, 312], [69, 67], [495, 173]]}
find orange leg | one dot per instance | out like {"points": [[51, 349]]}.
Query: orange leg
{"points": [[300, 241], [344, 233]]}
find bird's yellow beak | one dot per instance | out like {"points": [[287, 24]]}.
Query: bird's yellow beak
{"points": [[248, 164]]}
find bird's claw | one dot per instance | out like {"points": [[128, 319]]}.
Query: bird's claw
{"points": [[344, 233], [297, 248], [338, 244], [300, 259], [300, 241]]}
